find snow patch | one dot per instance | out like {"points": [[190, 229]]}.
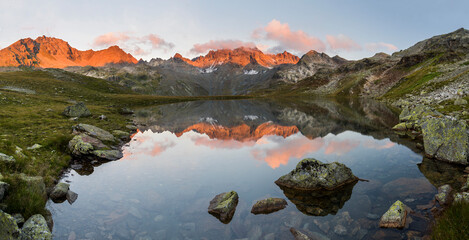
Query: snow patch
{"points": [[250, 117], [208, 120], [251, 72]]}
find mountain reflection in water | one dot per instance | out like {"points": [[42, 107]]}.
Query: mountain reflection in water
{"points": [[187, 153]]}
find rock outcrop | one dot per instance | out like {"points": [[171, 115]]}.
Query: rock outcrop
{"points": [[311, 174], [8, 228], [35, 228], [268, 205], [446, 139], [77, 110], [223, 206]]}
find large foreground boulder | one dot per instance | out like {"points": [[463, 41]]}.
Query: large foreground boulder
{"points": [[77, 110], [35, 228], [446, 139], [311, 174], [268, 205], [82, 145], [8, 228], [414, 116], [395, 217], [223, 206], [95, 132]]}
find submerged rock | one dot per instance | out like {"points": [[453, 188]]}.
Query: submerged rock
{"points": [[8, 227], [443, 195], [223, 206], [6, 158], [440, 173], [77, 110], [446, 139], [268, 205], [59, 192], [299, 235], [3, 188], [35, 228], [395, 217], [110, 155], [311, 174], [95, 132]]}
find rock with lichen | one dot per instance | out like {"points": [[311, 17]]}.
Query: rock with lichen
{"points": [[83, 144], [461, 197], [446, 139], [95, 132], [77, 110], [311, 174], [443, 195], [109, 155], [413, 117], [395, 217], [6, 158], [268, 205], [8, 228], [35, 228], [59, 192], [223, 206]]}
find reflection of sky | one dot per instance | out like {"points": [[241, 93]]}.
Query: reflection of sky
{"points": [[271, 149]]}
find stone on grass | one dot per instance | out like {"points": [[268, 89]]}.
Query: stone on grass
{"points": [[223, 206], [95, 132], [311, 174], [446, 139], [268, 205], [35, 228], [34, 147], [443, 195], [3, 189], [461, 197], [8, 227], [460, 101], [59, 192], [77, 110], [109, 155], [6, 158], [395, 217], [83, 144]]}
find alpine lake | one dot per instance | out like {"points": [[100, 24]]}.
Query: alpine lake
{"points": [[184, 154]]}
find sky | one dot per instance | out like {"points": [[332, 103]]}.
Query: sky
{"points": [[151, 28]]}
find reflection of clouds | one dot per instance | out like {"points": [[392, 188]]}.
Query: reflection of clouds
{"points": [[274, 149], [276, 153], [341, 147], [149, 143]]}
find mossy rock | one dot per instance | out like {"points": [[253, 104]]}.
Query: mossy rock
{"points": [[35, 228], [268, 205], [311, 174], [6, 158], [83, 144], [109, 155], [400, 127], [395, 217], [8, 228], [95, 132], [414, 116], [223, 206], [77, 110], [443, 195], [59, 192], [446, 139]]}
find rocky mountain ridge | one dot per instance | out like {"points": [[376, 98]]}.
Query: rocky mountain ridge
{"points": [[48, 52]]}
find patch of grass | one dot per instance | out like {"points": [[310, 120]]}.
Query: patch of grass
{"points": [[454, 224], [412, 83], [25, 199]]}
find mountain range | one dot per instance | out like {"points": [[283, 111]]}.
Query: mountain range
{"points": [[423, 69]]}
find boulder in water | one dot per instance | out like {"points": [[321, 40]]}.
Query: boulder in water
{"points": [[311, 174], [59, 192], [395, 217], [268, 205], [223, 206]]}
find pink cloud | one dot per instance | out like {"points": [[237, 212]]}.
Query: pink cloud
{"points": [[134, 44], [287, 39], [201, 48], [341, 147], [380, 46], [111, 38], [342, 42]]}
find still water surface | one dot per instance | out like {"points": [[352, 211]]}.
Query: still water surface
{"points": [[187, 153]]}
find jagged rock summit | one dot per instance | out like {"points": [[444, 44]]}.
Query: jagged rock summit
{"points": [[240, 56], [49, 52]]}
